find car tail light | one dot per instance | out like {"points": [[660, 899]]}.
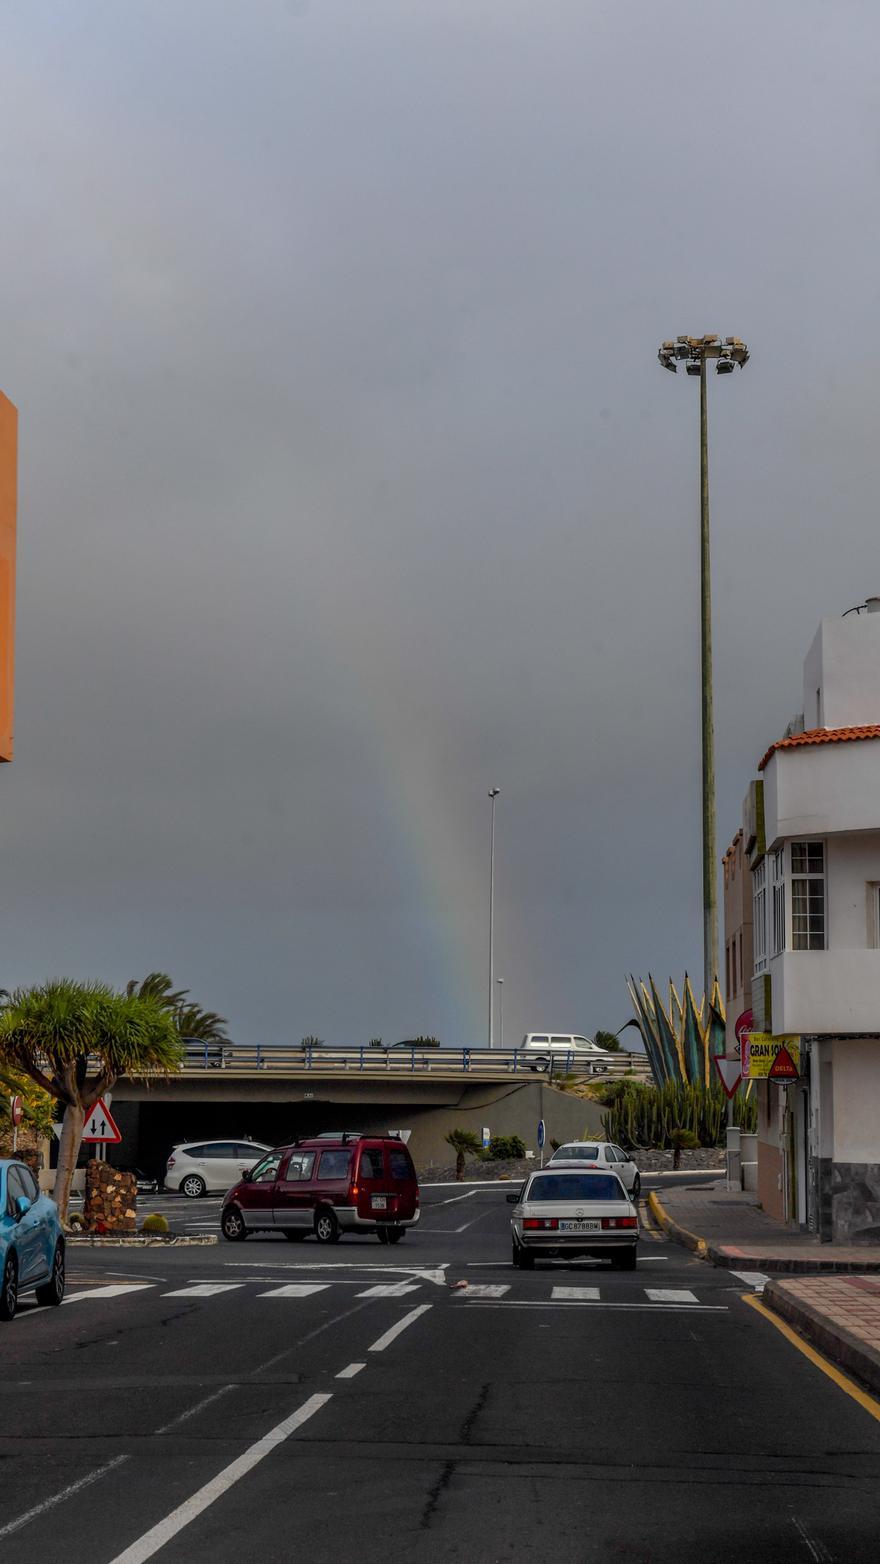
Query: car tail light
{"points": [[533, 1223], [170, 1162], [620, 1221]]}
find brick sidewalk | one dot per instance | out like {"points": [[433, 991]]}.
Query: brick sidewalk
{"points": [[839, 1314], [730, 1229]]}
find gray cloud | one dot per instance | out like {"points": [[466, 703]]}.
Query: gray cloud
{"points": [[351, 485]]}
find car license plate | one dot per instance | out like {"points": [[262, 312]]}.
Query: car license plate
{"points": [[379, 1202], [580, 1227]]}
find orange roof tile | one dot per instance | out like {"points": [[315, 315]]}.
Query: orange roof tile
{"points": [[822, 736]]}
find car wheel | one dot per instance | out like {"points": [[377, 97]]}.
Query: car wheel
{"points": [[294, 1235], [395, 1234], [52, 1291], [526, 1260], [232, 1225], [326, 1227], [194, 1187], [515, 1256], [637, 1186], [382, 1234], [9, 1289]]}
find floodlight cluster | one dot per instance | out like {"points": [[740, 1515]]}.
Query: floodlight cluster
{"points": [[694, 351]]}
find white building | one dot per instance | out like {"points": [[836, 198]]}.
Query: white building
{"points": [[812, 835]]}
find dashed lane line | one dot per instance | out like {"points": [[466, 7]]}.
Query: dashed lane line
{"points": [[350, 1371], [158, 1536], [391, 1335]]}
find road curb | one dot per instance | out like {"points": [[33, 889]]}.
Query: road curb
{"points": [[835, 1341], [136, 1241], [682, 1235]]}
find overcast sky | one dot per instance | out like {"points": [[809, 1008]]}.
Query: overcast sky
{"points": [[351, 485]]}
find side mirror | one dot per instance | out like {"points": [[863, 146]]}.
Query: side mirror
{"points": [[22, 1206], [514, 1199], [247, 1176]]}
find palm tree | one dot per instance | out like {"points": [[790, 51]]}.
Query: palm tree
{"points": [[461, 1142], [192, 1022], [75, 1040]]}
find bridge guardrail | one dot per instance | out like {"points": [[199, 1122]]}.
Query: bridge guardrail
{"points": [[402, 1062]]}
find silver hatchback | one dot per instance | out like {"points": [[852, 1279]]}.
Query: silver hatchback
{"points": [[561, 1213]]}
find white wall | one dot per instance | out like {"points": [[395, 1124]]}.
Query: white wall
{"points": [[844, 664], [815, 789], [828, 991], [852, 863], [856, 1100]]}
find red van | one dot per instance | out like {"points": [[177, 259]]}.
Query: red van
{"points": [[334, 1184]]}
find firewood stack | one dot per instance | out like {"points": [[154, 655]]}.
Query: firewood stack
{"points": [[111, 1199]]}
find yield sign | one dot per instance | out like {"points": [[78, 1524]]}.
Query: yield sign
{"points": [[783, 1067], [730, 1071], [101, 1126]]}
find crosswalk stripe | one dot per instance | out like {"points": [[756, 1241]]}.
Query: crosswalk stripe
{"points": [[294, 1290], [389, 1290], [114, 1290], [670, 1295], [579, 1294], [755, 1279], [484, 1290], [203, 1290]]}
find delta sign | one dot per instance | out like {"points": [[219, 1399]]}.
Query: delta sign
{"points": [[771, 1058]]}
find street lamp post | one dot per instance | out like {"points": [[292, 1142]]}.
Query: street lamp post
{"points": [[500, 982], [696, 353], [493, 794]]}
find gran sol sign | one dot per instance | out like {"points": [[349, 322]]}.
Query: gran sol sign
{"points": [[769, 1057]]}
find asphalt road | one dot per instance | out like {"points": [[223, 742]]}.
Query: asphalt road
{"points": [[348, 1403]]}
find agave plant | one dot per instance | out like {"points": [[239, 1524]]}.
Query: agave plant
{"points": [[680, 1039]]}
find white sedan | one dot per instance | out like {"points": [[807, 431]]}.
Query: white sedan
{"points": [[600, 1154], [564, 1213]]}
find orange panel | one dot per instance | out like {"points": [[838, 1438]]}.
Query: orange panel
{"points": [[8, 466]]}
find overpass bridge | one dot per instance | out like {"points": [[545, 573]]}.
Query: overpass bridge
{"points": [[228, 1091]]}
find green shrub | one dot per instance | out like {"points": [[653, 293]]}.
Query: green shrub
{"points": [[647, 1116], [154, 1223], [505, 1148]]}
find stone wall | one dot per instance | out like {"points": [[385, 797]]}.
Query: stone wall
{"points": [[855, 1202], [111, 1199]]}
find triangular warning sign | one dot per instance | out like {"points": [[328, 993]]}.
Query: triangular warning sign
{"points": [[100, 1126], [730, 1072], [783, 1067]]}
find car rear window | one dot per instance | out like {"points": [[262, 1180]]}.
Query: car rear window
{"points": [[576, 1186], [372, 1165], [400, 1165], [576, 1154], [334, 1164]]}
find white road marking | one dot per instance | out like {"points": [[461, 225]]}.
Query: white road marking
{"points": [[452, 1199], [755, 1279], [159, 1535], [671, 1295], [349, 1373], [389, 1290], [116, 1290], [484, 1290], [402, 1325], [578, 1293], [203, 1290], [199, 1406], [294, 1290], [657, 1308], [58, 1498]]}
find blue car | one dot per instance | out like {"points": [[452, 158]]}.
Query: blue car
{"points": [[31, 1241]]}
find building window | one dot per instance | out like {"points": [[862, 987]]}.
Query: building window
{"points": [[777, 886], [808, 895], [759, 931]]}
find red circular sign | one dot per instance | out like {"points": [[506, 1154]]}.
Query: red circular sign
{"points": [[743, 1026], [16, 1108]]}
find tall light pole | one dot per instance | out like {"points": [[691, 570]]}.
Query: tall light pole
{"points": [[500, 982], [493, 794], [696, 353]]}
